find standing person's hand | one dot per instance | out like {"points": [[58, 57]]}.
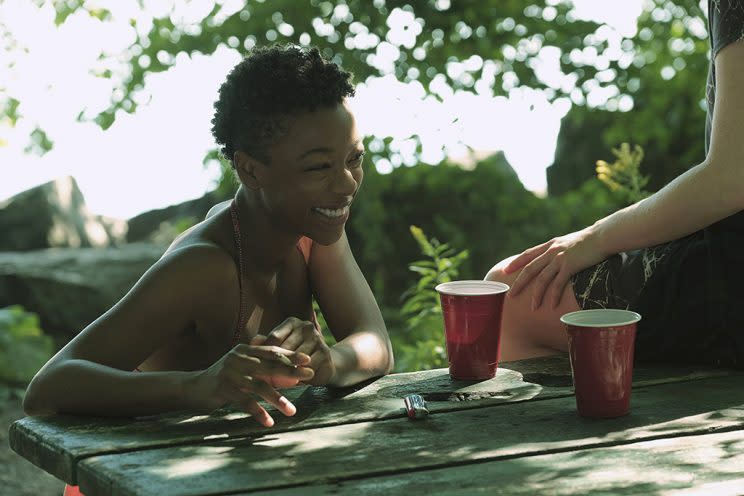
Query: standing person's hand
{"points": [[549, 266], [302, 336], [241, 375]]}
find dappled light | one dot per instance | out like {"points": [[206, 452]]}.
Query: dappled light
{"points": [[205, 460], [614, 452], [585, 55], [195, 418], [466, 133], [526, 438]]}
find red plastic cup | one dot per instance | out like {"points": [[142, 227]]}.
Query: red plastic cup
{"points": [[472, 326], [600, 346]]}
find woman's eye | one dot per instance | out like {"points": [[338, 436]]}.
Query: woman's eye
{"points": [[317, 167]]}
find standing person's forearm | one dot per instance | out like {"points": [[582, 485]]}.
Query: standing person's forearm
{"points": [[698, 198], [87, 388], [361, 356]]}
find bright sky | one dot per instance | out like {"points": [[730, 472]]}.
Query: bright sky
{"points": [[153, 158]]}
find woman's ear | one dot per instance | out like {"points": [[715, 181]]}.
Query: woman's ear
{"points": [[246, 166]]}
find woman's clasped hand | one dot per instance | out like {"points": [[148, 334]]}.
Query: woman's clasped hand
{"points": [[293, 353]]}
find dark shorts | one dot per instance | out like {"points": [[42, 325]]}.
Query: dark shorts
{"points": [[670, 286], [619, 280]]}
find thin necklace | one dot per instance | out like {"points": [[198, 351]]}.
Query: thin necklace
{"points": [[239, 244]]}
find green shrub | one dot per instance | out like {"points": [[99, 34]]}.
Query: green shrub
{"points": [[485, 209], [24, 349], [624, 175], [418, 344]]}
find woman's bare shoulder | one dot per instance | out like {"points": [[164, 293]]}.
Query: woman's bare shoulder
{"points": [[217, 208], [214, 233], [206, 252]]}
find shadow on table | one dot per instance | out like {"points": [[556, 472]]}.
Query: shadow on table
{"points": [[544, 441]]}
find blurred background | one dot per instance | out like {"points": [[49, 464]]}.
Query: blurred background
{"points": [[490, 125]]}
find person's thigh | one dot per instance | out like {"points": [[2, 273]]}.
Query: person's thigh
{"points": [[528, 333]]}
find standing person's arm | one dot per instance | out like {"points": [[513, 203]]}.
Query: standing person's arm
{"points": [[707, 193], [92, 374]]}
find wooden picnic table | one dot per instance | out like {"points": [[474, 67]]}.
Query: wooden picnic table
{"points": [[517, 433]]}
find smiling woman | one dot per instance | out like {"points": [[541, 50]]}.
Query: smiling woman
{"points": [[225, 316]]}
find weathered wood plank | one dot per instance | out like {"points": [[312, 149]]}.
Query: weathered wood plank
{"points": [[57, 443], [363, 449], [700, 465], [709, 464]]}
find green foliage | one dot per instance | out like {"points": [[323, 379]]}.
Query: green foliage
{"points": [[661, 75], [579, 208], [658, 71], [40, 143], [24, 349], [10, 110], [184, 223], [323, 325], [418, 345], [623, 176], [426, 35], [485, 208], [441, 266], [168, 231], [227, 182]]}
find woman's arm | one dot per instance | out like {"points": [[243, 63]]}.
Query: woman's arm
{"points": [[363, 349], [707, 193], [93, 375]]}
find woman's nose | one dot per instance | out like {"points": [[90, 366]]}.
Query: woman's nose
{"points": [[344, 182]]}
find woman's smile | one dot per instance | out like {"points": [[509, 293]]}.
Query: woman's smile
{"points": [[333, 215]]}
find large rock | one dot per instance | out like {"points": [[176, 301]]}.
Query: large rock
{"points": [[69, 288], [161, 226], [54, 215], [580, 144]]}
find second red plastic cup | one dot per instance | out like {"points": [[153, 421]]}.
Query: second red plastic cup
{"points": [[472, 326], [601, 345]]}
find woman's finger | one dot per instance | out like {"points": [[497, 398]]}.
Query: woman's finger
{"points": [[528, 273], [271, 395], [280, 370], [243, 400], [318, 358], [554, 292], [298, 336], [281, 332], [275, 353], [257, 412], [542, 281], [271, 361], [311, 341], [526, 257]]}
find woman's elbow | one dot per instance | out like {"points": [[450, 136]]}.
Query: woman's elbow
{"points": [[33, 405], [390, 362], [35, 400]]}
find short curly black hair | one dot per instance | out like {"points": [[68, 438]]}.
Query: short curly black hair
{"points": [[269, 85]]}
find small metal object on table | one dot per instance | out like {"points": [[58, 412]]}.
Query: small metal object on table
{"points": [[415, 406]]}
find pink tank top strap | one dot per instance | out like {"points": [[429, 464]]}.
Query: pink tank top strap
{"points": [[305, 245]]}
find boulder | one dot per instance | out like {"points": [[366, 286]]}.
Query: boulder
{"points": [[54, 215], [69, 288], [161, 226]]}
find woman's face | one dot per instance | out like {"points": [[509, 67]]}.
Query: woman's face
{"points": [[314, 172]]}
